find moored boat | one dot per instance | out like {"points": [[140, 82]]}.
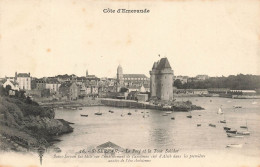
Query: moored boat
{"points": [[83, 115], [172, 118], [234, 145], [226, 128], [189, 116], [129, 113], [98, 113], [212, 125], [231, 131], [234, 135], [223, 121], [111, 111], [244, 133], [198, 124], [168, 112]]}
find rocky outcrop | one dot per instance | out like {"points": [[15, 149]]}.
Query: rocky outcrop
{"points": [[28, 125], [185, 106]]}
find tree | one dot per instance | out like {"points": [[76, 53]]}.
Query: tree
{"points": [[177, 83]]}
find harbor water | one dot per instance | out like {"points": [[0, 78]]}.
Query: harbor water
{"points": [[146, 128]]}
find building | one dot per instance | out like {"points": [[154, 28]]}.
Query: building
{"points": [[202, 77], [24, 80], [53, 85], [161, 80], [69, 90], [40, 84], [12, 84], [183, 79], [130, 81]]}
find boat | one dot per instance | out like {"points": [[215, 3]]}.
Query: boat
{"points": [[129, 113], [98, 113], [244, 133], [73, 108], [226, 128], [220, 111], [231, 131], [234, 145], [172, 118], [199, 115], [136, 110], [198, 124], [237, 106], [212, 125], [111, 111], [80, 108], [189, 116], [168, 112], [165, 115], [234, 135], [244, 127], [223, 121], [83, 115]]}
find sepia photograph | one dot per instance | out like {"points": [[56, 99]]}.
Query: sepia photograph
{"points": [[129, 83]]}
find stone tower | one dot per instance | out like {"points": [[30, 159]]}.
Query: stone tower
{"points": [[119, 76], [161, 80]]}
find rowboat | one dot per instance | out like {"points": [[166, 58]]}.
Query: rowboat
{"points": [[234, 145], [231, 131], [234, 135], [212, 125], [83, 115], [198, 124], [244, 133], [223, 121], [226, 128]]}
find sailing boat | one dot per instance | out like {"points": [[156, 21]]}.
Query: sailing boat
{"points": [[224, 120], [122, 112], [189, 116], [144, 116], [98, 113], [244, 132], [220, 110]]}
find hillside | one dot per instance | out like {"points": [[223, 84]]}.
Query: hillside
{"points": [[24, 125]]}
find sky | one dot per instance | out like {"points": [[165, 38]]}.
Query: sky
{"points": [[51, 37]]}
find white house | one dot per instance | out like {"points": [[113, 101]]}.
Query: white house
{"points": [[24, 80], [14, 85]]}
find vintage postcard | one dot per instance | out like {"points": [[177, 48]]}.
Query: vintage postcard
{"points": [[129, 83]]}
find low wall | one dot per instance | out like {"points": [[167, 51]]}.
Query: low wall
{"points": [[128, 104]]}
